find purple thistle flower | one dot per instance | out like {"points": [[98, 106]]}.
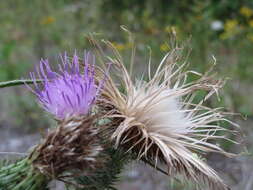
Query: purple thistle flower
{"points": [[70, 91]]}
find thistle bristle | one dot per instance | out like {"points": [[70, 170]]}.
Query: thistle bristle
{"points": [[157, 119]]}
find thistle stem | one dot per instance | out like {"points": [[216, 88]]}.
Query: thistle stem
{"points": [[17, 82]]}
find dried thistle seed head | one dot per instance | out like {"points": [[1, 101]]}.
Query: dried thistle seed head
{"points": [[70, 91], [159, 121], [73, 146]]}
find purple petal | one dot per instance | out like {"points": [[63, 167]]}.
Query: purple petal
{"points": [[68, 92]]}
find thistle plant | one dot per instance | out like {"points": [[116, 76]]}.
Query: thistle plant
{"points": [[73, 146], [103, 124], [69, 96]]}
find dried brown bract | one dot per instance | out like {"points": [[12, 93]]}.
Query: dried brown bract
{"points": [[73, 146]]}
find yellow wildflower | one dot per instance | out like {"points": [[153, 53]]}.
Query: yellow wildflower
{"points": [[119, 46], [164, 47], [246, 11], [172, 28], [231, 24], [47, 20], [231, 29], [167, 29], [224, 36], [129, 45], [251, 23]]}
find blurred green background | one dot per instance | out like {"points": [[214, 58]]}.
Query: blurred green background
{"points": [[34, 29]]}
